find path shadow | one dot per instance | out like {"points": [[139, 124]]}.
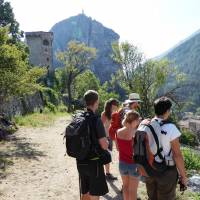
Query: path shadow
{"points": [[117, 197], [22, 149], [15, 148], [116, 190]]}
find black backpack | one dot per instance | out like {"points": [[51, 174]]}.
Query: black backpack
{"points": [[78, 136]]}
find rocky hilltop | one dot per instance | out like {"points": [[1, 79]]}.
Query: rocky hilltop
{"points": [[93, 34], [186, 57]]}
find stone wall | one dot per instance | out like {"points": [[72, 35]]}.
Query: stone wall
{"points": [[194, 126], [40, 47], [21, 106]]}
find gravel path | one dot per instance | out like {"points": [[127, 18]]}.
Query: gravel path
{"points": [[40, 171]]}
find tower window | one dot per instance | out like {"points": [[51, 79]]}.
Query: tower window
{"points": [[47, 59], [46, 42]]}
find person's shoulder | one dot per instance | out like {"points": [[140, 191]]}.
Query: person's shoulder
{"points": [[120, 130], [115, 114], [172, 130], [103, 114], [118, 111], [170, 125]]}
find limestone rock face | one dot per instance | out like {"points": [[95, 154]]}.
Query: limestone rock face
{"points": [[93, 34], [21, 106], [186, 58]]}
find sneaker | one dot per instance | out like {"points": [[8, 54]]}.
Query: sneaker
{"points": [[110, 177]]}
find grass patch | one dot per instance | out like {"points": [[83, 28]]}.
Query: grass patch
{"points": [[187, 195], [39, 119], [191, 158], [4, 163]]}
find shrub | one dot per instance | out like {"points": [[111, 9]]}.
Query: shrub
{"points": [[191, 158], [51, 107], [189, 138], [62, 108], [50, 95]]}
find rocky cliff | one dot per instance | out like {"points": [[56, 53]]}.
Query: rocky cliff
{"points": [[186, 57], [93, 34]]}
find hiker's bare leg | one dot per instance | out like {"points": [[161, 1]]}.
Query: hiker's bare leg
{"points": [[133, 185], [94, 197], [125, 188], [107, 167], [116, 145], [85, 197]]}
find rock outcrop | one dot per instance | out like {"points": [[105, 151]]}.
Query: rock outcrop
{"points": [[186, 57], [93, 34]]}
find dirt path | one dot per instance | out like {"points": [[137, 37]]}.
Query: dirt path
{"points": [[40, 171]]}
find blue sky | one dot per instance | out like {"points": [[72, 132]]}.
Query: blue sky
{"points": [[153, 25]]}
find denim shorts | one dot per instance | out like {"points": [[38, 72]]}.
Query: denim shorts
{"points": [[126, 169]]}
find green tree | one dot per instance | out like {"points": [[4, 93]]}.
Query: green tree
{"points": [[148, 79], [85, 81], [7, 18], [76, 59], [198, 111], [16, 76], [129, 58]]}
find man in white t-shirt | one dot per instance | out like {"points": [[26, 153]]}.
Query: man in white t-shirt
{"points": [[164, 187]]}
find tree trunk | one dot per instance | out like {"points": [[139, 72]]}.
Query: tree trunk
{"points": [[69, 96]]}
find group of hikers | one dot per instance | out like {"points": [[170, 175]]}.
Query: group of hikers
{"points": [[149, 149]]}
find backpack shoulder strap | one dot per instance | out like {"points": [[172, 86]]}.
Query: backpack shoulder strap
{"points": [[159, 149], [92, 120], [165, 122]]}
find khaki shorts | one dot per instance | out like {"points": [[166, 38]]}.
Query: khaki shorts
{"points": [[164, 187]]}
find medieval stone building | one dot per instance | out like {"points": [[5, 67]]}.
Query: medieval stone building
{"points": [[40, 47]]}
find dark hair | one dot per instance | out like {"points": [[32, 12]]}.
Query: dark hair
{"points": [[162, 105], [90, 97], [108, 106]]}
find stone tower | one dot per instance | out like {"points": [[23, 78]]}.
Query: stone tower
{"points": [[40, 47]]}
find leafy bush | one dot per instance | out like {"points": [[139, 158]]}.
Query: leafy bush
{"points": [[62, 108], [188, 195], [51, 96], [191, 158], [46, 110], [198, 111], [51, 107], [189, 138]]}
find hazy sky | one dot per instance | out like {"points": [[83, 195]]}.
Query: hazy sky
{"points": [[153, 25]]}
